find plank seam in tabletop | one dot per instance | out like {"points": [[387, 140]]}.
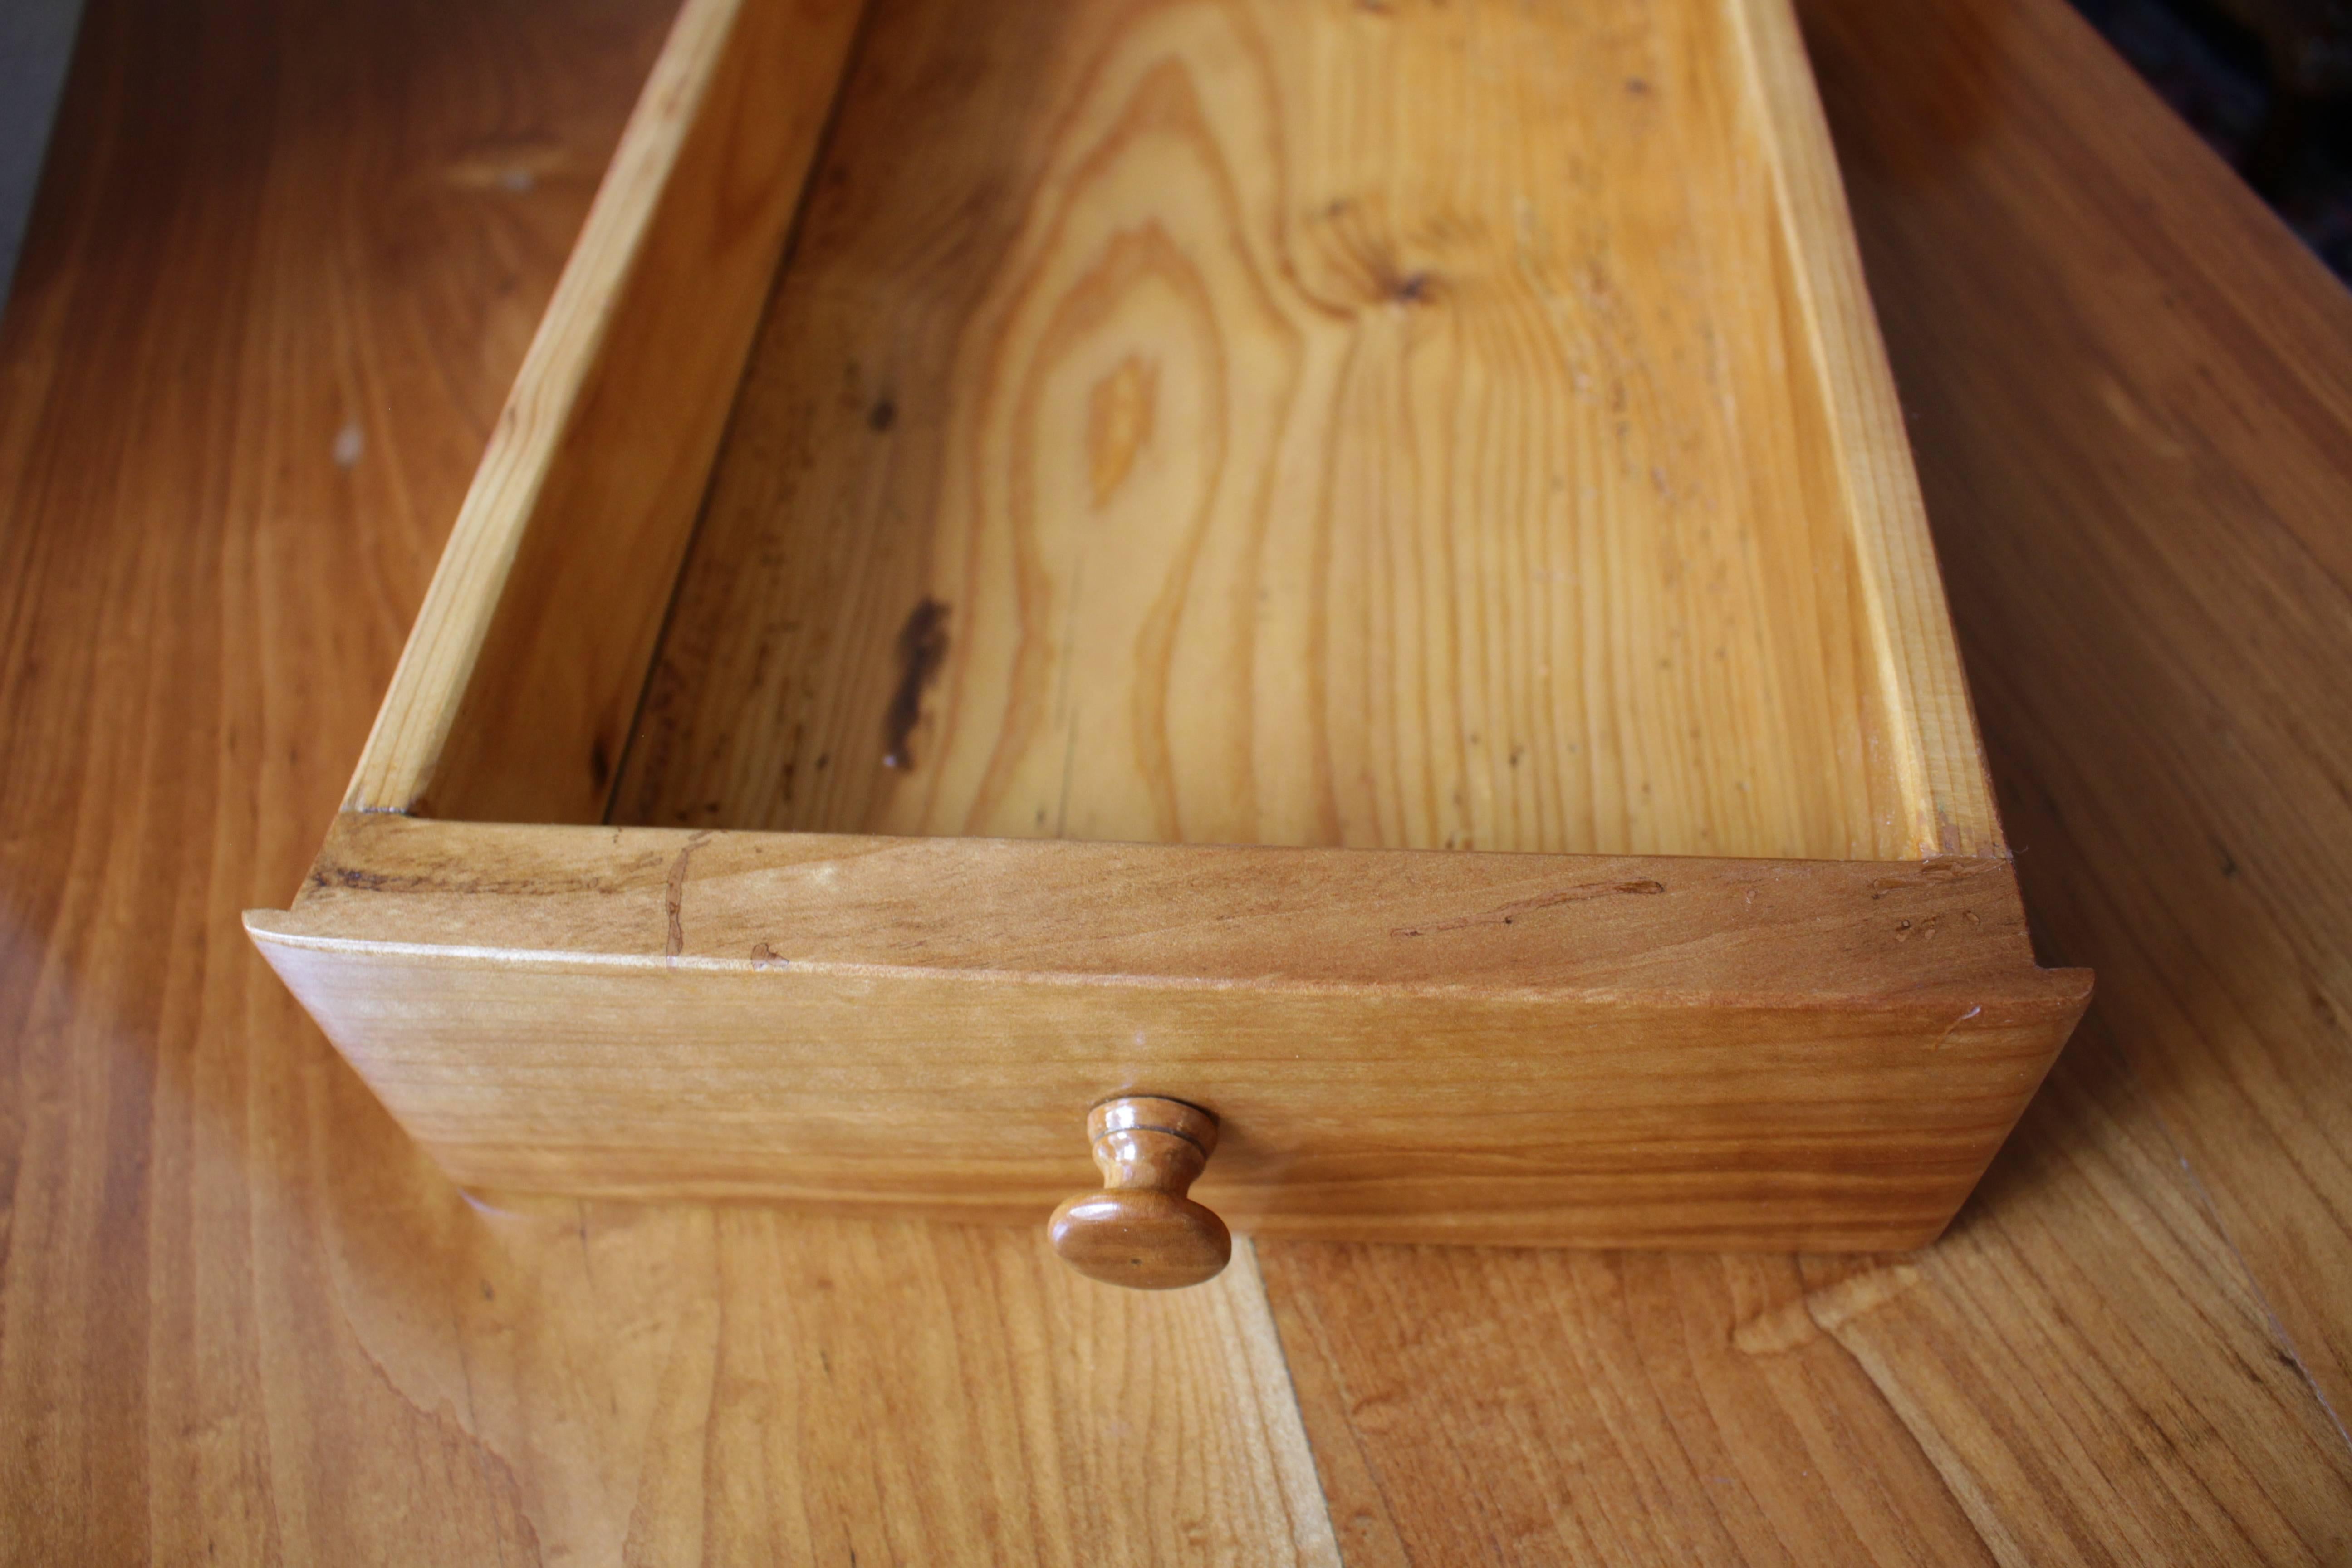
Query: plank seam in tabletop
{"points": [[2212, 356], [2091, 1365], [238, 1315], [285, 264]]}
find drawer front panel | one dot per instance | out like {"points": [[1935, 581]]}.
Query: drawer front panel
{"points": [[1416, 1046]]}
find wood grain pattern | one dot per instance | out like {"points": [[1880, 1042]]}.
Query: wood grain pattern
{"points": [[241, 1319], [1139, 1228], [1926, 728], [1406, 425], [1844, 934], [2164, 412], [239, 1316], [515, 694], [1420, 1067], [1637, 1051], [2128, 395], [2078, 1373]]}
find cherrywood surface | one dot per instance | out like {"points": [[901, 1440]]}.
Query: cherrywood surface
{"points": [[1141, 1228], [286, 264], [2130, 392], [241, 1320], [1407, 425], [2155, 557], [1404, 1045]]}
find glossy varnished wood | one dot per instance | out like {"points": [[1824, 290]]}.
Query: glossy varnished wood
{"points": [[2157, 574], [243, 1319], [2129, 394], [1700, 617], [1142, 1228], [2078, 1371], [1629, 1050], [1392, 425], [286, 262]]}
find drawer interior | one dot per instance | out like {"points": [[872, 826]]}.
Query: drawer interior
{"points": [[1400, 425], [1350, 429]]}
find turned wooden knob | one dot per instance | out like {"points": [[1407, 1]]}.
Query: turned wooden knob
{"points": [[1141, 1230]]}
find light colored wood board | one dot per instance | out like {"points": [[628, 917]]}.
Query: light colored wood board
{"points": [[1719, 1053], [1398, 425], [1927, 729], [2132, 390], [242, 1320], [1938, 937], [2079, 1372], [525, 667]]}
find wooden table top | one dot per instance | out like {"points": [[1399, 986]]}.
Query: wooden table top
{"points": [[284, 264]]}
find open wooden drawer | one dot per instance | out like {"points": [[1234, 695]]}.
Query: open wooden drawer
{"points": [[1352, 564]]}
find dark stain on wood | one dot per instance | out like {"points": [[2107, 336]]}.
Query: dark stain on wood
{"points": [[922, 648]]}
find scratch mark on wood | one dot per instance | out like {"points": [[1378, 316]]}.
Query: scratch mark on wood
{"points": [[1953, 1027], [1509, 914], [674, 896]]}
